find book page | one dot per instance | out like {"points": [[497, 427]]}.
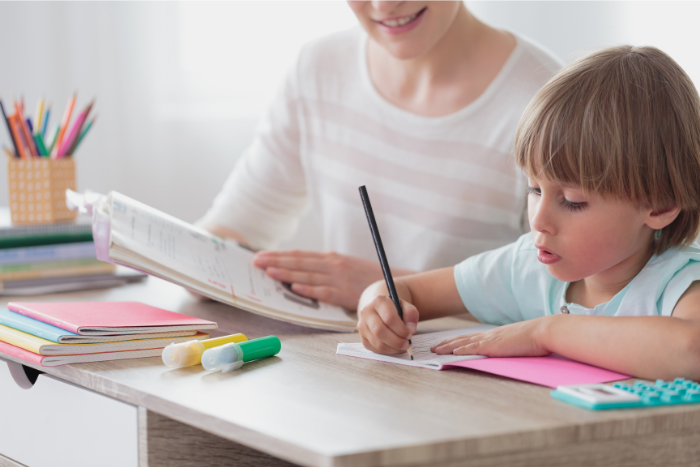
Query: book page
{"points": [[207, 259], [422, 356]]}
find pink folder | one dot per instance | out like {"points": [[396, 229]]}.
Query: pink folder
{"points": [[552, 371], [108, 318]]}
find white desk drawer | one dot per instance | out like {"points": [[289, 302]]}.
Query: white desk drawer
{"points": [[57, 424]]}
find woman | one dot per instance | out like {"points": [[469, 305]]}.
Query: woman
{"points": [[420, 105]]}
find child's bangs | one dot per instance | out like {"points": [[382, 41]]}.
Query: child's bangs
{"points": [[544, 149], [573, 132], [549, 144]]}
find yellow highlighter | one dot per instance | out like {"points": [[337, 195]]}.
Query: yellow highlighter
{"points": [[190, 353]]}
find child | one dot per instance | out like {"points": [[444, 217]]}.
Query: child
{"points": [[607, 276]]}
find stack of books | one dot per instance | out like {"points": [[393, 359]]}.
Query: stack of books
{"points": [[53, 333], [49, 258]]}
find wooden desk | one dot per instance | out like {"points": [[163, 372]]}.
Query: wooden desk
{"points": [[310, 407]]}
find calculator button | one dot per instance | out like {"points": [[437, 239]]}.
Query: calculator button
{"points": [[692, 395], [651, 397], [671, 396]]}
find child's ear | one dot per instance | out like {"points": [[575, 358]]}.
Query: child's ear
{"points": [[661, 218]]}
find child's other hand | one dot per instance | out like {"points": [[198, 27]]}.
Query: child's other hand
{"points": [[382, 330], [513, 340]]}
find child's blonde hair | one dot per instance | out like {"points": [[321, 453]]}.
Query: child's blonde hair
{"points": [[623, 122]]}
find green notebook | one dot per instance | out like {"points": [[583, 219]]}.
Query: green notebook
{"points": [[17, 236]]}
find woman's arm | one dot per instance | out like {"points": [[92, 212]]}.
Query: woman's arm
{"points": [[434, 293], [652, 347], [225, 232]]}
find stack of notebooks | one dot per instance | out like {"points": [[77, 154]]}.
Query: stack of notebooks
{"points": [[59, 257], [53, 334]]}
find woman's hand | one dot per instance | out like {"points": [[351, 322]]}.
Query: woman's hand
{"points": [[382, 330], [328, 277], [523, 339]]}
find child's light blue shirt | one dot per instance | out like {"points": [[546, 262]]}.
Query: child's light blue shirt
{"points": [[509, 284]]}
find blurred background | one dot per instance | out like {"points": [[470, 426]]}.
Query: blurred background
{"points": [[180, 86]]}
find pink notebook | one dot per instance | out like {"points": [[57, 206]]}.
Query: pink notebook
{"points": [[57, 360], [109, 318]]}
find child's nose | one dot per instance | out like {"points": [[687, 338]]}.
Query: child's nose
{"points": [[542, 217]]}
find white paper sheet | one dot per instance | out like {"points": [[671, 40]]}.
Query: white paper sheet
{"points": [[422, 355]]}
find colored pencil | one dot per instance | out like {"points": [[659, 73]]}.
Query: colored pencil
{"points": [[64, 126], [382, 258], [31, 134], [53, 139], [39, 114], [69, 141], [7, 151], [7, 122], [16, 128], [45, 122], [35, 145], [82, 135], [25, 133], [40, 145]]}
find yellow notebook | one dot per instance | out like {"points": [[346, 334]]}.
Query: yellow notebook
{"points": [[45, 347], [90, 267]]}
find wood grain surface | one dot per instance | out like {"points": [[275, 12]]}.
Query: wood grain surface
{"points": [[7, 462], [311, 407]]}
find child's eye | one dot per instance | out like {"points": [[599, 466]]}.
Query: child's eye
{"points": [[533, 191], [572, 206]]}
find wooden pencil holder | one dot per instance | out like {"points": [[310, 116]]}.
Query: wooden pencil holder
{"points": [[38, 190]]}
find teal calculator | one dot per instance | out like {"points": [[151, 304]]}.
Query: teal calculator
{"points": [[623, 396]]}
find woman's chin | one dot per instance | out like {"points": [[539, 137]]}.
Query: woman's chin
{"points": [[405, 49]]}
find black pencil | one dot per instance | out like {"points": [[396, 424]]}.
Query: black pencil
{"points": [[382, 258], [7, 122]]}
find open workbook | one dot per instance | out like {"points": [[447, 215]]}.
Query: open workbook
{"points": [[133, 234], [551, 370]]}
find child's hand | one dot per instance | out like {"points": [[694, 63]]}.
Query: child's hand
{"points": [[513, 340], [382, 330]]}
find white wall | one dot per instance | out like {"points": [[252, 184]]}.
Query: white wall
{"points": [[570, 29], [179, 86]]}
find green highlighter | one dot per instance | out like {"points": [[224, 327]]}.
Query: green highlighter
{"points": [[229, 357]]}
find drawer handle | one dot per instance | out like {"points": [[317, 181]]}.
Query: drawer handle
{"points": [[24, 376]]}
